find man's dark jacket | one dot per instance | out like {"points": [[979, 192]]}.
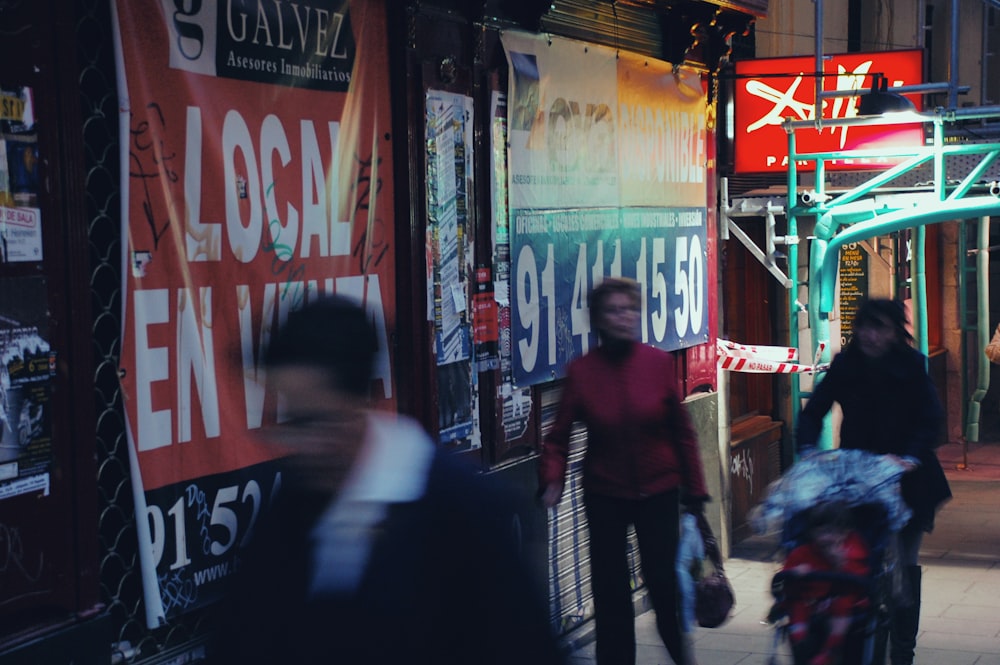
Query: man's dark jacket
{"points": [[443, 586]]}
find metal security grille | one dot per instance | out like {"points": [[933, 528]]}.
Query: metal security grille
{"points": [[658, 29], [612, 24], [571, 601], [121, 587]]}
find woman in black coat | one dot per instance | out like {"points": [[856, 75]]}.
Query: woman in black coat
{"points": [[889, 407]]}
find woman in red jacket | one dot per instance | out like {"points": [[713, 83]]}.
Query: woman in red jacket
{"points": [[642, 460]]}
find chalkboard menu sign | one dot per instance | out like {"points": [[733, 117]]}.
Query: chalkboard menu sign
{"points": [[853, 287]]}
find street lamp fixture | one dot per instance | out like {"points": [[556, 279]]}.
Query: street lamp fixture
{"points": [[880, 100]]}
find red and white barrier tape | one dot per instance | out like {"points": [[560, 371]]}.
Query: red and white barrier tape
{"points": [[764, 359], [766, 366], [774, 353]]}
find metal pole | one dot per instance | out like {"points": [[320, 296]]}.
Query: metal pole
{"points": [[984, 57], [818, 79], [953, 59], [820, 321], [938, 115], [918, 268], [982, 337], [791, 203]]}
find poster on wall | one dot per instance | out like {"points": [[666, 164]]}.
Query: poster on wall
{"points": [[501, 235], [256, 157], [485, 333], [20, 216], [449, 173], [449, 143], [27, 368], [608, 177], [853, 285]]}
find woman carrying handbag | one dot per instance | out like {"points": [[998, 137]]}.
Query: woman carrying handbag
{"points": [[642, 458]]}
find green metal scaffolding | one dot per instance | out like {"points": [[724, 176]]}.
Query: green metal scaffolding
{"points": [[848, 217]]}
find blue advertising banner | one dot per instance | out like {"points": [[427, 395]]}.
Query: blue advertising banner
{"points": [[608, 166], [558, 256]]}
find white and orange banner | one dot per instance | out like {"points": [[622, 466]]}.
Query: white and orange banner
{"points": [[256, 176], [593, 127]]}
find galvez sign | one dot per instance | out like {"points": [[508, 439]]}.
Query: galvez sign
{"points": [[259, 158], [772, 89]]}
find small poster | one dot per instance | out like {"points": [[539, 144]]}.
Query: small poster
{"points": [[485, 332], [853, 287], [27, 365], [456, 400], [516, 413], [20, 217]]}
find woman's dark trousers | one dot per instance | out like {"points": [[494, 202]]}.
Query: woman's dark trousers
{"points": [[656, 521]]}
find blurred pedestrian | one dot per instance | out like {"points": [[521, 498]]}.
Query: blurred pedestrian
{"points": [[889, 406], [992, 349], [379, 549], [642, 460]]}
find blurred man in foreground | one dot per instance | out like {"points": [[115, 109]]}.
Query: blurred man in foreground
{"points": [[380, 548]]}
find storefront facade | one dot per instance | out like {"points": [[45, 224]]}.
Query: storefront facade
{"points": [[145, 289]]}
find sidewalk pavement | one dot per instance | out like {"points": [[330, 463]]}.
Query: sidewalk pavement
{"points": [[960, 614]]}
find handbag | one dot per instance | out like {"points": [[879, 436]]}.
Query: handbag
{"points": [[714, 598]]}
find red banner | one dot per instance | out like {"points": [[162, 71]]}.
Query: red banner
{"points": [[769, 90], [256, 177]]}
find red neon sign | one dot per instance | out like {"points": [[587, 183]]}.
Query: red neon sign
{"points": [[769, 90]]}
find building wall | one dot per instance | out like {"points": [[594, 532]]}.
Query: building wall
{"points": [[889, 24], [976, 37], [790, 28]]}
